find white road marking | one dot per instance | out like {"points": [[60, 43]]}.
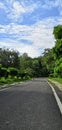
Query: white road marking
{"points": [[56, 97]]}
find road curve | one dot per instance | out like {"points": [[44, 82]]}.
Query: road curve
{"points": [[29, 106]]}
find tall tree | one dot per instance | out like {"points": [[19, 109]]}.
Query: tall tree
{"points": [[9, 58], [57, 50]]}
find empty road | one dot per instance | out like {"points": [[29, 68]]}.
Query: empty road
{"points": [[29, 106]]}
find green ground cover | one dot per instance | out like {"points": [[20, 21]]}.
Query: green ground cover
{"points": [[11, 80], [57, 79]]}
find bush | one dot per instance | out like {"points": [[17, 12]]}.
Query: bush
{"points": [[3, 80], [3, 72], [0, 65], [51, 75], [21, 74], [12, 71], [9, 80]]}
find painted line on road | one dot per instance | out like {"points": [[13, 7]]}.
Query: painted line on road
{"points": [[56, 97]]}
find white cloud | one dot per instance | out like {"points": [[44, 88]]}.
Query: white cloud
{"points": [[4, 28], [2, 6], [15, 9], [18, 9], [31, 50], [39, 34], [10, 1], [58, 4], [48, 4]]}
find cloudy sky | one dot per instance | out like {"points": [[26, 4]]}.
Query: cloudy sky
{"points": [[27, 25]]}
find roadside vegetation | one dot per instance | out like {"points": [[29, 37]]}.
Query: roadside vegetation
{"points": [[15, 67], [59, 80]]}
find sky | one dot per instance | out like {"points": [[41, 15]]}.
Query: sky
{"points": [[27, 25]]}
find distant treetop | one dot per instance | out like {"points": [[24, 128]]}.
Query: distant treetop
{"points": [[58, 32]]}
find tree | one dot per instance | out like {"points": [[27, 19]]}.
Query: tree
{"points": [[9, 58], [25, 61], [48, 61], [12, 71], [58, 32], [57, 50], [58, 68]]}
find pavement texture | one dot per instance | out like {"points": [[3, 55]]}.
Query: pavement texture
{"points": [[29, 106]]}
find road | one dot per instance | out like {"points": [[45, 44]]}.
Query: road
{"points": [[29, 106]]}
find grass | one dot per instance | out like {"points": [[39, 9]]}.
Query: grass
{"points": [[11, 80], [59, 80], [6, 82]]}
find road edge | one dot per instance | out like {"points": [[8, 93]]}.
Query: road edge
{"points": [[8, 86], [56, 97]]}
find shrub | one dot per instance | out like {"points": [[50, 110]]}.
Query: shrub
{"points": [[3, 80], [12, 71]]}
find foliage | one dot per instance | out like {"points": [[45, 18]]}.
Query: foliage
{"points": [[57, 79], [48, 61], [57, 50], [9, 58], [58, 32], [3, 72], [12, 71], [58, 68]]}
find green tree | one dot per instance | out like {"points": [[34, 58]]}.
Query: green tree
{"points": [[48, 61], [58, 32], [12, 71], [9, 58], [57, 50], [58, 68]]}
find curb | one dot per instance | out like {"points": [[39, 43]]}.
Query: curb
{"points": [[57, 98], [56, 83], [7, 86]]}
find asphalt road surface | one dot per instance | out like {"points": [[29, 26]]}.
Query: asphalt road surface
{"points": [[29, 106]]}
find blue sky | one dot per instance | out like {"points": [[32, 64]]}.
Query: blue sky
{"points": [[27, 25]]}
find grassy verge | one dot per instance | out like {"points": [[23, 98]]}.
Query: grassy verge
{"points": [[59, 80], [11, 80]]}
